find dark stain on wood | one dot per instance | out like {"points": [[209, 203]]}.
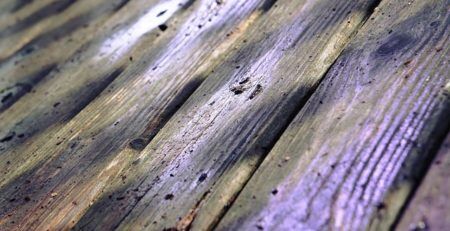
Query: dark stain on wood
{"points": [[394, 44]]}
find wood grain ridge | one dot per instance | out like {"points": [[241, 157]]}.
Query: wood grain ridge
{"points": [[350, 158]]}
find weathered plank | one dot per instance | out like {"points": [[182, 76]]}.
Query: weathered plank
{"points": [[40, 53], [351, 156], [199, 161], [430, 209], [163, 70], [88, 71]]}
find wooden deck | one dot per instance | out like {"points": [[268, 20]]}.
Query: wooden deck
{"points": [[224, 115]]}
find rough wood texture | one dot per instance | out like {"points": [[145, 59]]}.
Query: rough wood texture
{"points": [[429, 209], [189, 173], [352, 155], [67, 159], [155, 114], [27, 125], [40, 48]]}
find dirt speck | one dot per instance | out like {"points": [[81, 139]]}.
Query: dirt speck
{"points": [[138, 144], [163, 27], [256, 91], [169, 196], [274, 192], [202, 177]]}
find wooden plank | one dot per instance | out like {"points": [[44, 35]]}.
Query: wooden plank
{"points": [[351, 156], [89, 70], [429, 209], [40, 53], [196, 164], [164, 68]]}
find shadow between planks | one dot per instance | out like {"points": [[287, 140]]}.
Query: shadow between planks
{"points": [[164, 133]]}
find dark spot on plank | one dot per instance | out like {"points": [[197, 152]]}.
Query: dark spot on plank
{"points": [[259, 227], [161, 13], [435, 24], [237, 89], [267, 5], [138, 144], [394, 44], [381, 206], [255, 92], [202, 177], [120, 198], [27, 50], [169, 196], [163, 27], [26, 199], [56, 104], [8, 137], [274, 192]]}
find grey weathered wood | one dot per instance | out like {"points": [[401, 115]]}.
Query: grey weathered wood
{"points": [[38, 52], [429, 209], [351, 156], [72, 160], [196, 164]]}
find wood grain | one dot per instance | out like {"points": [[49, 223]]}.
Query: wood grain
{"points": [[352, 155], [223, 114], [195, 165], [37, 53], [163, 69]]}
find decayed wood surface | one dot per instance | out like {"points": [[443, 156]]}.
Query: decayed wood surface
{"points": [[429, 209], [155, 114], [350, 158]]}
